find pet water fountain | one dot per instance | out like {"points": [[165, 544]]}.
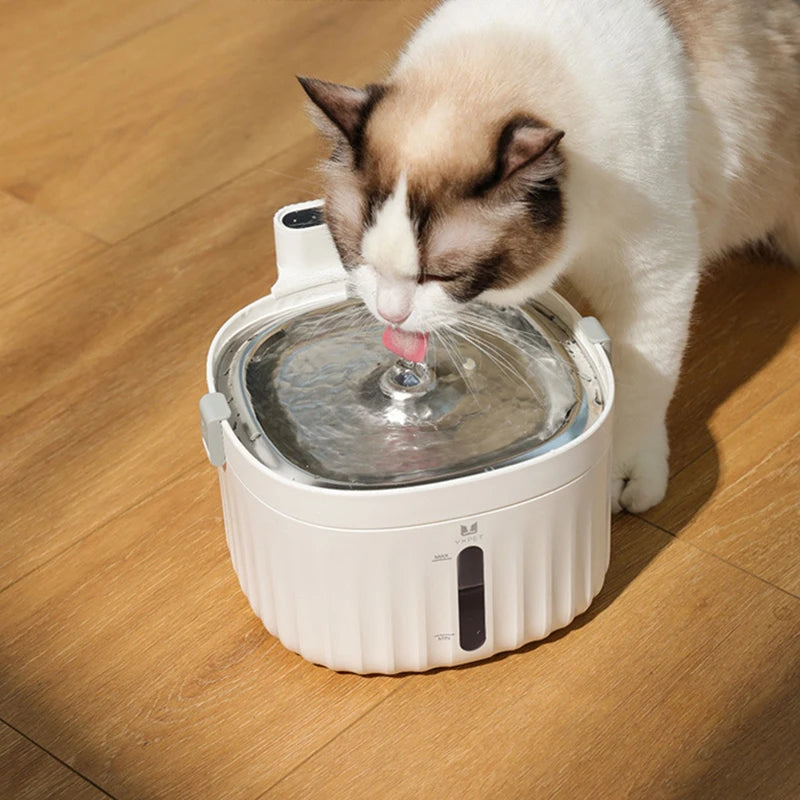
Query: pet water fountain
{"points": [[385, 515]]}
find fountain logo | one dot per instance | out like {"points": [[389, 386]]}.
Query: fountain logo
{"points": [[473, 529]]}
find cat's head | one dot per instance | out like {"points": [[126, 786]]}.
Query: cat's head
{"points": [[432, 206]]}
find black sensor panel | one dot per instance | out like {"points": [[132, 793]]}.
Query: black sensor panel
{"points": [[471, 599], [305, 218]]}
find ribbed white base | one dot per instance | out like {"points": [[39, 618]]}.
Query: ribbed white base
{"points": [[387, 600]]}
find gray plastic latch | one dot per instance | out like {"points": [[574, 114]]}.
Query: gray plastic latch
{"points": [[214, 410], [596, 333]]}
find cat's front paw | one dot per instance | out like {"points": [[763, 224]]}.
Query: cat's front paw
{"points": [[640, 474]]}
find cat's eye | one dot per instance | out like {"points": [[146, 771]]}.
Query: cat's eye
{"points": [[449, 278]]}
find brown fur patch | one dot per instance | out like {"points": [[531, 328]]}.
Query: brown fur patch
{"points": [[449, 130], [478, 244], [693, 21], [745, 62], [344, 209]]}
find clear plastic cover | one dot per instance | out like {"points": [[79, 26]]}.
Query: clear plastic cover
{"points": [[317, 395]]}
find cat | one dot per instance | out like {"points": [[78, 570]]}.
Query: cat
{"points": [[620, 143]]}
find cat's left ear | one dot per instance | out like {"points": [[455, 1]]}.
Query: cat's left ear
{"points": [[347, 108], [530, 150]]}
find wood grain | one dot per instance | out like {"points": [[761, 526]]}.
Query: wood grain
{"points": [[744, 349], [35, 249], [28, 773], [135, 658], [148, 126], [639, 702], [173, 129], [39, 38], [103, 371], [752, 517]]}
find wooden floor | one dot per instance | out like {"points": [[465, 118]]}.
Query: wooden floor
{"points": [[144, 145]]}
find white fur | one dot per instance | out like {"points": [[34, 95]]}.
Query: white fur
{"points": [[431, 306], [387, 278], [657, 161], [389, 246]]}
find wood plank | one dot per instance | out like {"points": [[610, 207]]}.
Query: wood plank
{"points": [[101, 371], [36, 248], [129, 651], [681, 683], [129, 136], [29, 773], [135, 658], [744, 350], [117, 366], [39, 38], [741, 500]]}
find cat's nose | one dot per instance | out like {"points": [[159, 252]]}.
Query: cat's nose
{"points": [[394, 300], [394, 317]]}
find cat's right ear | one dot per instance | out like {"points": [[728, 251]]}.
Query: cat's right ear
{"points": [[344, 109], [529, 149]]}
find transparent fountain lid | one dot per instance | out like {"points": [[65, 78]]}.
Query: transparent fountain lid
{"points": [[318, 397]]}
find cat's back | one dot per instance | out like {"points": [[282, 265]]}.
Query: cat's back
{"points": [[578, 63], [709, 28], [638, 85], [744, 61], [757, 43], [566, 25]]}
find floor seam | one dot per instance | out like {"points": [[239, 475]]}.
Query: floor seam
{"points": [[80, 259], [326, 744], [102, 51], [44, 212], [719, 558], [208, 192], [113, 518], [733, 430], [172, 212], [56, 758]]}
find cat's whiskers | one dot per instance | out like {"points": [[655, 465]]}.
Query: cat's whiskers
{"points": [[478, 323], [455, 356], [329, 325], [495, 355], [501, 331]]}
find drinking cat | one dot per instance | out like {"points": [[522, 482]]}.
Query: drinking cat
{"points": [[620, 143]]}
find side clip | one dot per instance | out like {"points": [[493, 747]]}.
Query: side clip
{"points": [[214, 410], [596, 333]]}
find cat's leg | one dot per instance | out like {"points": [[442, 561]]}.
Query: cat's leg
{"points": [[645, 304]]}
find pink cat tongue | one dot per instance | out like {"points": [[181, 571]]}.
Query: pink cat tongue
{"points": [[409, 345]]}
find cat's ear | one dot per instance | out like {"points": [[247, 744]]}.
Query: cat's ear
{"points": [[343, 106], [530, 150]]}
